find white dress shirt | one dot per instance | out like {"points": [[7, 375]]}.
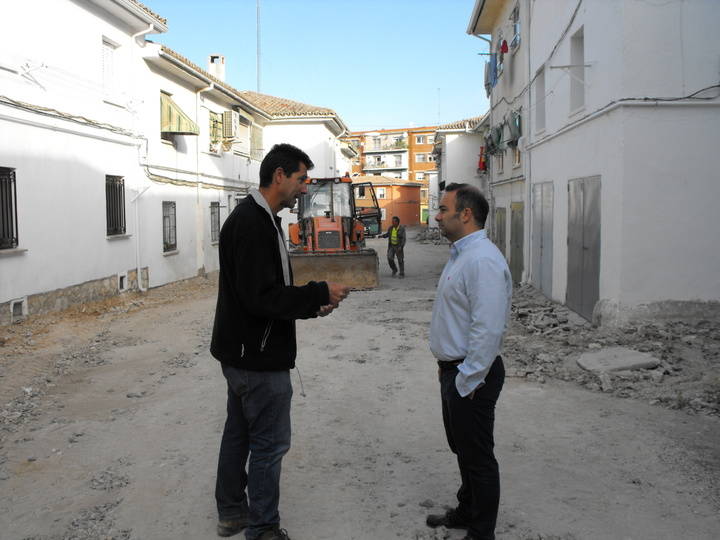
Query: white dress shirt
{"points": [[471, 309]]}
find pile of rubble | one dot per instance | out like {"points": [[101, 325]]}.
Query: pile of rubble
{"points": [[546, 340], [431, 235]]}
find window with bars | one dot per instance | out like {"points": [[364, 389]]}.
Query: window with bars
{"points": [[169, 226], [214, 221], [8, 209], [115, 205]]}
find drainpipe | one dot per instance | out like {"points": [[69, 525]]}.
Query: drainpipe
{"points": [[530, 271], [138, 270], [199, 251], [149, 29]]}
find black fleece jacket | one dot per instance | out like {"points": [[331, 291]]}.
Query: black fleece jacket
{"points": [[255, 316]]}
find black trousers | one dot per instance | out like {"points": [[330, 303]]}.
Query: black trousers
{"points": [[469, 427]]}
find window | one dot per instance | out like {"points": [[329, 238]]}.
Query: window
{"points": [[419, 176], [108, 66], [419, 139], [215, 131], [115, 205], [256, 142], [577, 70], [515, 21], [8, 209], [169, 226], [540, 99], [381, 193], [420, 158], [431, 157], [377, 143], [431, 139], [361, 192], [398, 161], [501, 161], [214, 221], [516, 157], [382, 214], [423, 194]]}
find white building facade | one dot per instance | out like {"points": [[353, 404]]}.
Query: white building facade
{"points": [[459, 152], [621, 139], [506, 83], [118, 156]]}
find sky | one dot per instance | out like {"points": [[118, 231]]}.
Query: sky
{"points": [[377, 63]]}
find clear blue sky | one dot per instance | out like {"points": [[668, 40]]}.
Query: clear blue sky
{"points": [[377, 63]]}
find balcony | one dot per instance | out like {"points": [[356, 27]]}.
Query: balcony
{"points": [[389, 147], [374, 166]]}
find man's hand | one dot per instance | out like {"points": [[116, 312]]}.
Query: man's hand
{"points": [[325, 310], [337, 293]]}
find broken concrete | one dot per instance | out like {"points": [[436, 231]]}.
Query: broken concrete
{"points": [[616, 359]]}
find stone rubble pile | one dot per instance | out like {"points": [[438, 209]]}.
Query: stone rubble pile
{"points": [[431, 235], [546, 339]]}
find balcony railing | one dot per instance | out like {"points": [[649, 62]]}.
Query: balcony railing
{"points": [[382, 165], [399, 145]]}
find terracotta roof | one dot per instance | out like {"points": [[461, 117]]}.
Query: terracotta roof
{"points": [[149, 11], [274, 107], [462, 124], [280, 107], [199, 69]]}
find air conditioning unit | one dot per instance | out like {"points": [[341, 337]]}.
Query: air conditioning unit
{"points": [[231, 124]]}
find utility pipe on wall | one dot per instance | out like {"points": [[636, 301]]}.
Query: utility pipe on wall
{"points": [[199, 252]]}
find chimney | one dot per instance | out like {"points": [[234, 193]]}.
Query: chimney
{"points": [[216, 66]]}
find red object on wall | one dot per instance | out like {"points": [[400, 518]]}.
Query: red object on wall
{"points": [[504, 46], [482, 163]]}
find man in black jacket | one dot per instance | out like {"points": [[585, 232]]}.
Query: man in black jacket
{"points": [[254, 339]]}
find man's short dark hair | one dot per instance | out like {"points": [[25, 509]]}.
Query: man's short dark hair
{"points": [[396, 218], [285, 156], [468, 196]]}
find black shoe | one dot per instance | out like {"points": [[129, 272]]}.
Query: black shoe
{"points": [[449, 519], [276, 533], [229, 527]]}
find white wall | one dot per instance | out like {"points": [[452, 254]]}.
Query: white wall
{"points": [[670, 216], [658, 163], [314, 138], [460, 158]]}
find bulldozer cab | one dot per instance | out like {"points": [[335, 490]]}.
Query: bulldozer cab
{"points": [[328, 198]]}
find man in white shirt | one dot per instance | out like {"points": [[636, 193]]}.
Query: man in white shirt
{"points": [[469, 318]]}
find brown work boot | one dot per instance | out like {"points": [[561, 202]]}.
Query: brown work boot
{"points": [[450, 519], [230, 527]]}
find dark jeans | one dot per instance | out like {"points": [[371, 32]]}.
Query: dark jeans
{"points": [[258, 425], [469, 428], [396, 251]]}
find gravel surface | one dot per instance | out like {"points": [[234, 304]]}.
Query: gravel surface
{"points": [[111, 415]]}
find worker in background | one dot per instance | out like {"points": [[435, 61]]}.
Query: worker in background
{"points": [[254, 339], [396, 244], [469, 319]]}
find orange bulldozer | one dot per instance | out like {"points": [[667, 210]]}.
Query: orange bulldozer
{"points": [[328, 241]]}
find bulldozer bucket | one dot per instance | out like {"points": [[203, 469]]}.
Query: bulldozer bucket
{"points": [[358, 270]]}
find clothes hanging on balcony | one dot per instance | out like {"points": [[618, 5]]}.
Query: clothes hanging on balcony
{"points": [[515, 128]]}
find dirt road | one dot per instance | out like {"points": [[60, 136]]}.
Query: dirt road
{"points": [[112, 419]]}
